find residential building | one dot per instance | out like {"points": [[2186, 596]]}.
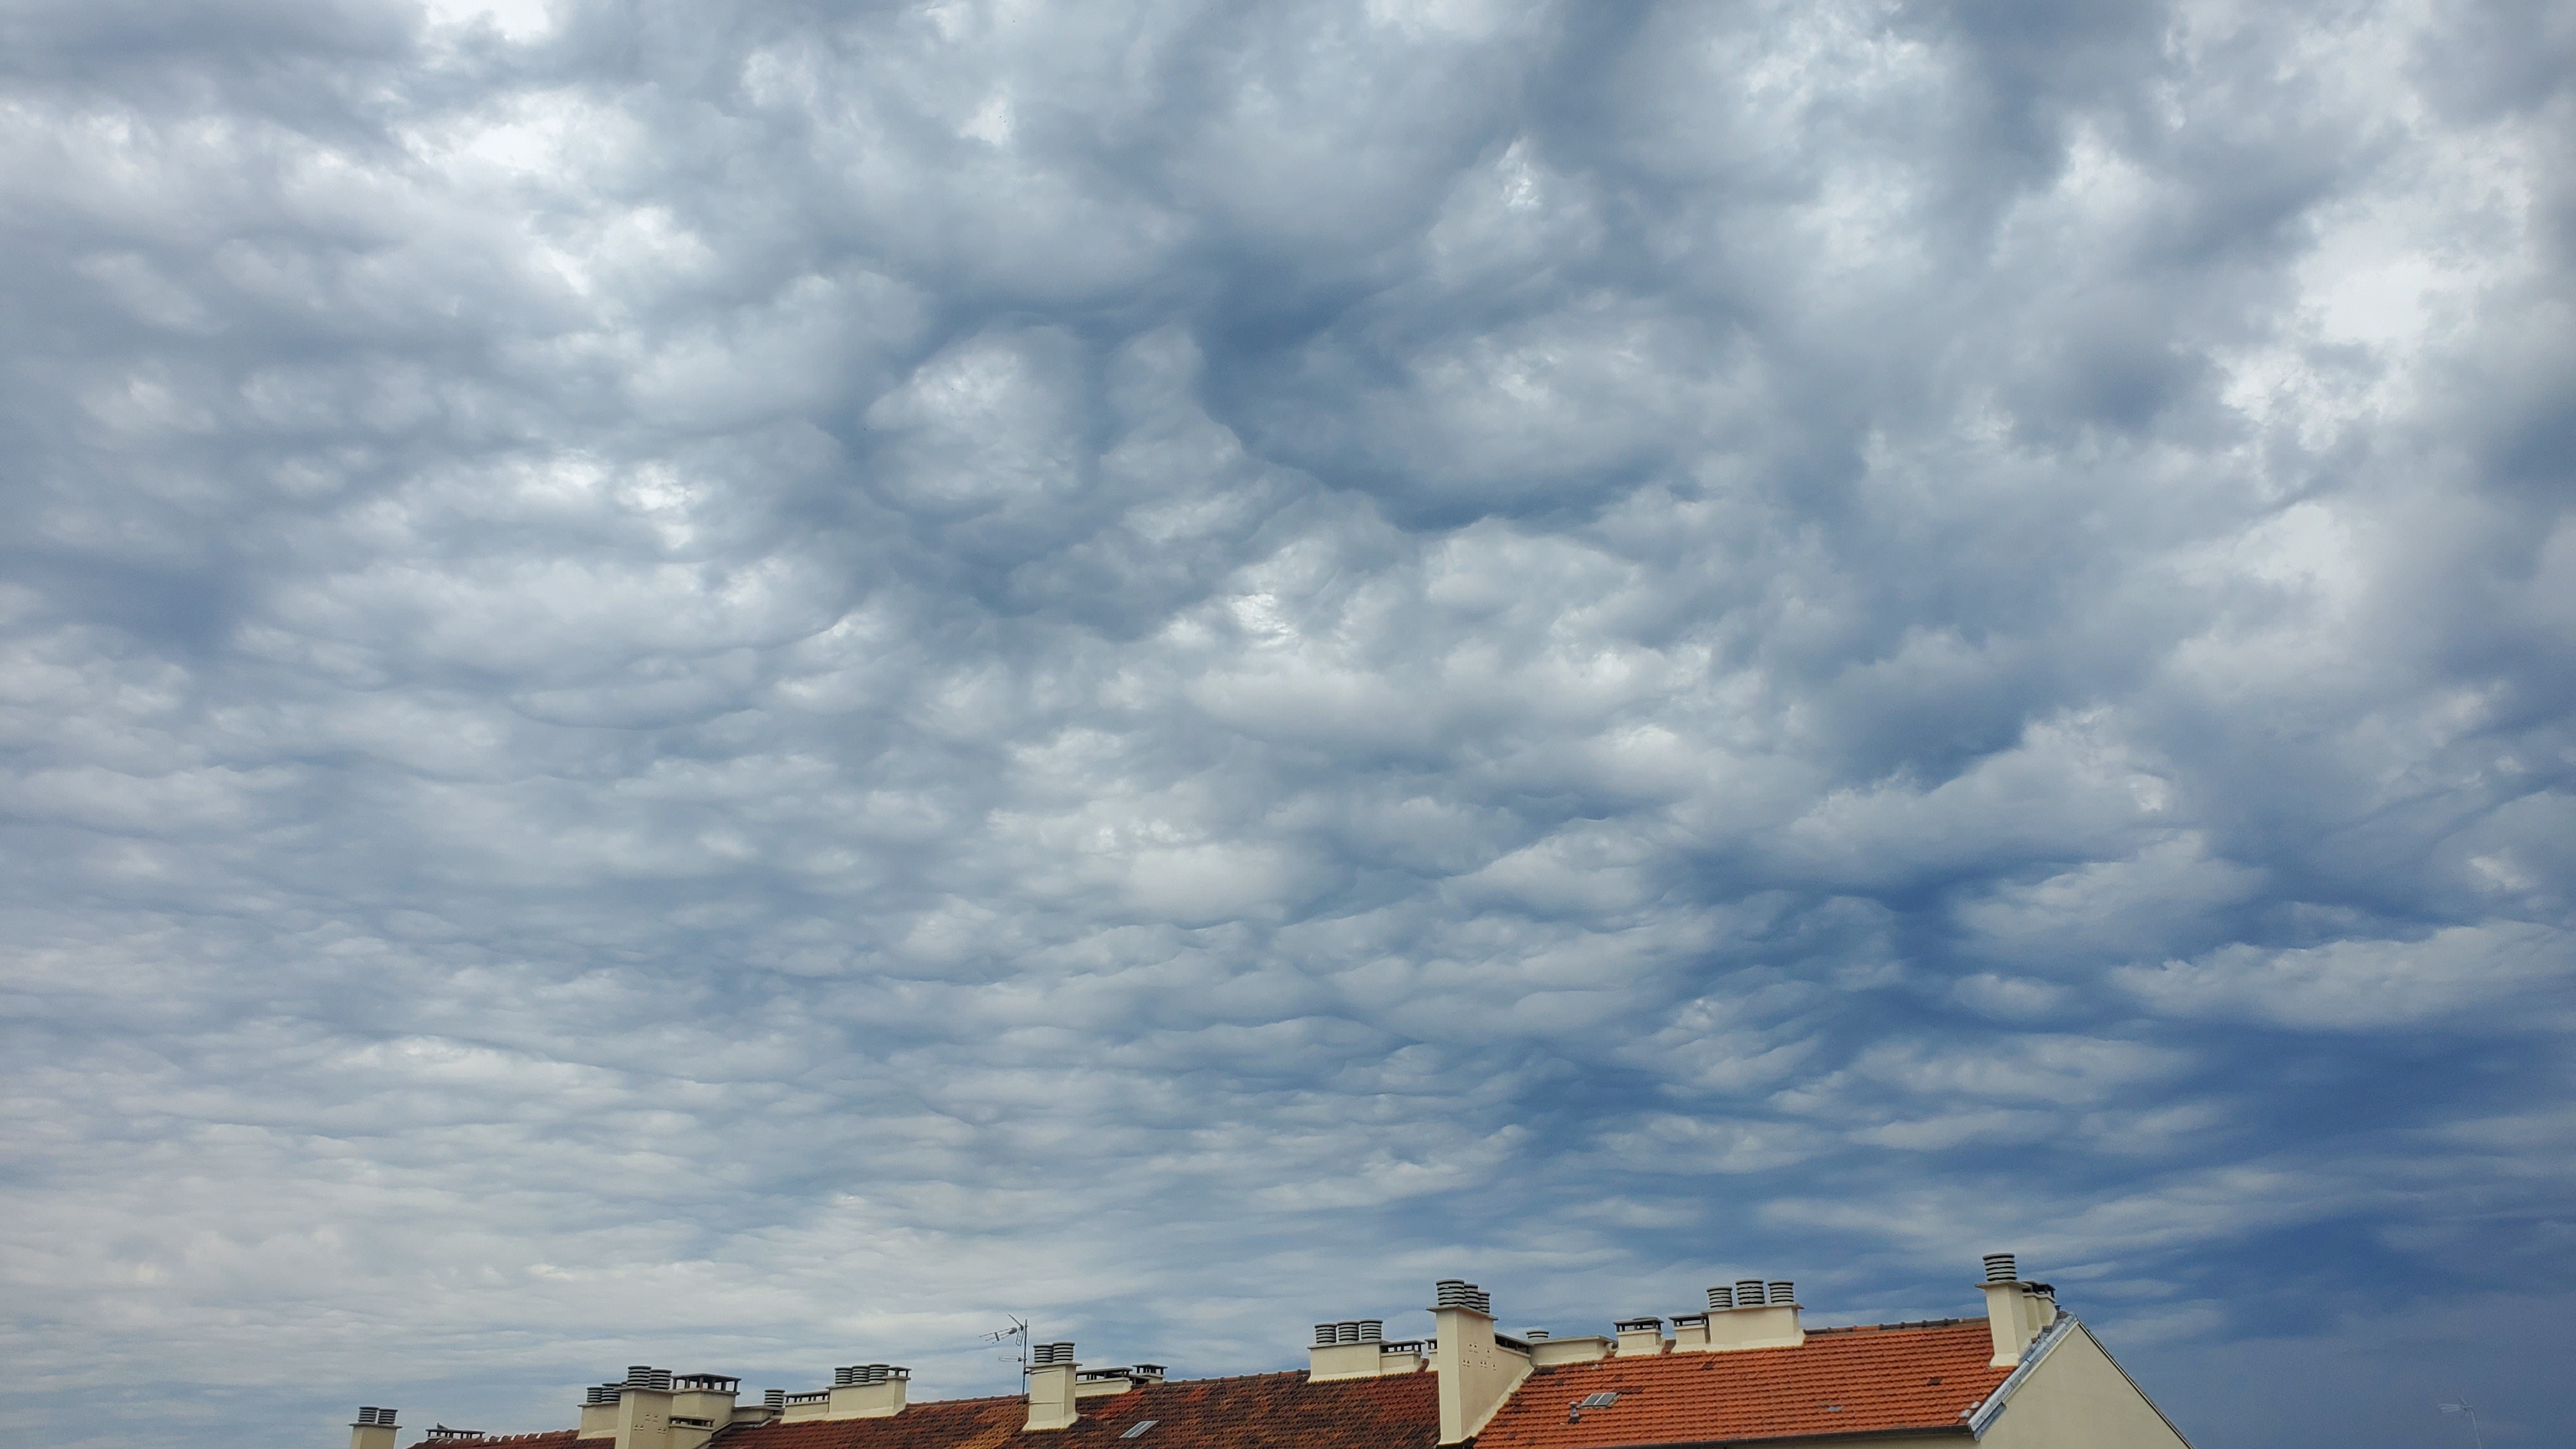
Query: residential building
{"points": [[1744, 1370]]}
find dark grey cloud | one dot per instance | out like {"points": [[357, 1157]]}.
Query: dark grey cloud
{"points": [[754, 681]]}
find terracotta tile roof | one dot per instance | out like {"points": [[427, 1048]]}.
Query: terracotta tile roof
{"points": [[1263, 1411], [551, 1439], [938, 1424], [1841, 1381]]}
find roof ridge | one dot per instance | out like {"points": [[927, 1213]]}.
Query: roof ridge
{"points": [[1891, 1327], [1236, 1378]]}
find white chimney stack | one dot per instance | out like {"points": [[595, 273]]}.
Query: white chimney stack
{"points": [[1476, 1372], [374, 1429], [1051, 1393], [867, 1391], [1356, 1348], [1640, 1335], [1748, 1314], [655, 1408], [2016, 1311]]}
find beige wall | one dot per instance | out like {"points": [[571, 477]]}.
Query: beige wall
{"points": [[1476, 1373], [643, 1419], [715, 1408], [1765, 1326], [866, 1401], [2077, 1398], [1051, 1401]]}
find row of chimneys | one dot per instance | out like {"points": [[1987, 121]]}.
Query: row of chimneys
{"points": [[1478, 1368]]}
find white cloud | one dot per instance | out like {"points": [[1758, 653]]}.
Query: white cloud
{"points": [[2362, 984], [658, 660]]}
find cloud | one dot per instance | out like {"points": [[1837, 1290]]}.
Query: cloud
{"points": [[2365, 984], [750, 683]]}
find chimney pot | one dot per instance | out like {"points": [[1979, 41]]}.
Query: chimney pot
{"points": [[1324, 1334], [374, 1429], [1720, 1299], [1748, 1292], [2016, 1312], [773, 1399], [1784, 1292]]}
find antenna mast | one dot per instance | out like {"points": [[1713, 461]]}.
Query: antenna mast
{"points": [[1019, 1331], [2460, 1405]]}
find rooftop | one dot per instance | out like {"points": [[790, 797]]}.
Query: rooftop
{"points": [[1261, 1411], [1841, 1381]]}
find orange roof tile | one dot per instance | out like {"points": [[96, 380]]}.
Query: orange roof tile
{"points": [[550, 1439], [547, 1439], [1263, 1411], [1841, 1381]]}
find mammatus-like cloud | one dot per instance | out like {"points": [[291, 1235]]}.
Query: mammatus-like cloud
{"points": [[746, 683]]}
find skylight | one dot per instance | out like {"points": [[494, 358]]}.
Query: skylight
{"points": [[1138, 1428], [1601, 1400]]}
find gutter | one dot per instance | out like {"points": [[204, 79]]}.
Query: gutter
{"points": [[1983, 1417]]}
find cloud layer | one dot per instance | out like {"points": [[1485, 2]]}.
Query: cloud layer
{"points": [[746, 683]]}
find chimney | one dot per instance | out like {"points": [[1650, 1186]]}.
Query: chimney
{"points": [[643, 1416], [1051, 1397], [1097, 1383], [2016, 1311], [1640, 1335], [599, 1411], [653, 1408], [374, 1429], [1356, 1348], [867, 1391], [1477, 1373], [1748, 1314], [701, 1404]]}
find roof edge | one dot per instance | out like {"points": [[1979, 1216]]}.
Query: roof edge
{"points": [[1839, 1436], [1985, 1414]]}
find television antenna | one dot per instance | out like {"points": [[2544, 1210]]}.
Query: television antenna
{"points": [[1019, 1332], [2460, 1405]]}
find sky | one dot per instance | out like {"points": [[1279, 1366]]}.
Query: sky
{"points": [[749, 684]]}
